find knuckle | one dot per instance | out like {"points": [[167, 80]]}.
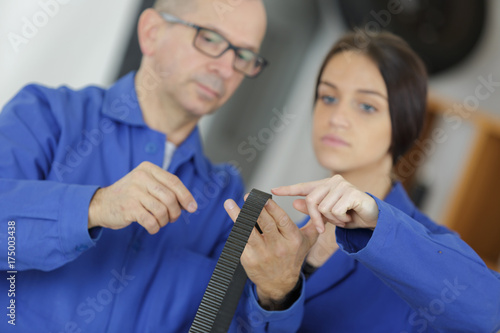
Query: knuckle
{"points": [[268, 228], [323, 208], [151, 225], [153, 206], [284, 220], [162, 210], [338, 212], [337, 177], [174, 180], [175, 215], [296, 241], [247, 260], [133, 188], [145, 165], [170, 199], [129, 211], [140, 174], [134, 206], [327, 215], [342, 186], [147, 218], [159, 189], [309, 200], [354, 201], [143, 218], [129, 204]]}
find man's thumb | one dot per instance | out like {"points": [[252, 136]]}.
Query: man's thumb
{"points": [[310, 233]]}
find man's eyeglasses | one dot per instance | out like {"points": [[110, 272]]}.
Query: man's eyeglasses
{"points": [[214, 45]]}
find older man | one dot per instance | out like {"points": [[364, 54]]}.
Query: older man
{"points": [[77, 168]]}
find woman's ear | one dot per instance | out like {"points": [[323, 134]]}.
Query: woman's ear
{"points": [[147, 31]]}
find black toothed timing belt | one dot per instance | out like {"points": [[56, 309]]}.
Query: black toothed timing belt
{"points": [[228, 280]]}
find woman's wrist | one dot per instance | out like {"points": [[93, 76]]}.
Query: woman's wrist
{"points": [[308, 269]]}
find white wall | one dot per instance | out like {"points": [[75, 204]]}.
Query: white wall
{"points": [[76, 42]]}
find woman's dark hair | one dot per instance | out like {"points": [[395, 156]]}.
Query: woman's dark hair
{"points": [[405, 77]]}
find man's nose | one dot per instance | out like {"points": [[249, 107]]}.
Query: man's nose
{"points": [[223, 65]]}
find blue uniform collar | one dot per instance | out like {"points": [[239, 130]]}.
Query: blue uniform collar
{"points": [[121, 104], [192, 148]]}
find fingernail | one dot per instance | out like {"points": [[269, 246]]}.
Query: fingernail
{"points": [[192, 207], [320, 230], [229, 204]]}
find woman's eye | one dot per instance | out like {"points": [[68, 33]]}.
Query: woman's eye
{"points": [[367, 108], [328, 99]]}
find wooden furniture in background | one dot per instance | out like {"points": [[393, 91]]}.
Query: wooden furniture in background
{"points": [[474, 211], [474, 206]]}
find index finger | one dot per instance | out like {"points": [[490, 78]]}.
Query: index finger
{"points": [[173, 183], [301, 189]]}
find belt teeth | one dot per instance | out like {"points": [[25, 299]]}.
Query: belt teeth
{"points": [[228, 280]]}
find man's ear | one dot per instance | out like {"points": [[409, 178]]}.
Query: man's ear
{"points": [[147, 31]]}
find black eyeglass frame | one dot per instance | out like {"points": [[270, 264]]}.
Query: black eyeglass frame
{"points": [[258, 58]]}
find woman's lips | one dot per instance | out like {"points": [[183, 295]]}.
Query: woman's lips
{"points": [[333, 141]]}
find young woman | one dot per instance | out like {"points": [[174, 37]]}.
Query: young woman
{"points": [[378, 265]]}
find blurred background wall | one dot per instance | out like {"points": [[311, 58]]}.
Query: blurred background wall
{"points": [[77, 43]]}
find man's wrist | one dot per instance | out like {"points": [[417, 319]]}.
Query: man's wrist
{"points": [[283, 303], [92, 221]]}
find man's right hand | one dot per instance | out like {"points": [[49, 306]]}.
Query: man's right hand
{"points": [[147, 195]]}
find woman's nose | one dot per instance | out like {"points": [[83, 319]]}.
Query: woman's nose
{"points": [[339, 116]]}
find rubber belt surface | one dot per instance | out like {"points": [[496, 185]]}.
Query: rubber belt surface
{"points": [[228, 279]]}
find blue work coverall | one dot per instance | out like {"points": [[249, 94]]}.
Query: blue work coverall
{"points": [[57, 147], [408, 275]]}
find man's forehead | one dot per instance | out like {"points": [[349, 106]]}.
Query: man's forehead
{"points": [[254, 46], [243, 23]]}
